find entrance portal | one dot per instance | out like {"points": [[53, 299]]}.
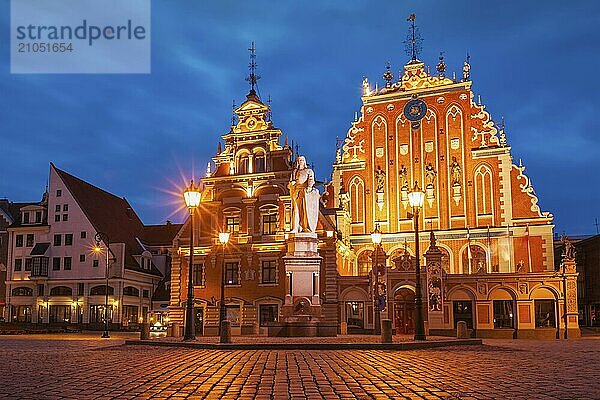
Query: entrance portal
{"points": [[404, 311]]}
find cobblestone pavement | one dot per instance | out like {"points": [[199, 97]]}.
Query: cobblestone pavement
{"points": [[86, 367]]}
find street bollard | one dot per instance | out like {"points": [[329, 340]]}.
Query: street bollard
{"points": [[461, 330], [225, 332], [386, 331], [145, 332]]}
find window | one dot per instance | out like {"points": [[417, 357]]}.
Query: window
{"points": [[18, 264], [145, 293], [57, 218], [259, 163], [67, 263], [57, 208], [269, 271], [97, 313], [232, 224], [29, 239], [232, 270], [40, 289], [95, 263], [58, 193], [38, 217], [131, 291], [22, 291], [243, 166], [61, 291], [65, 207], [269, 224], [25, 217], [65, 217], [130, 314], [101, 290], [19, 241], [198, 275], [80, 289], [28, 264], [82, 258], [503, 314], [69, 239], [355, 316], [57, 240], [60, 313], [56, 264], [544, 314], [233, 315], [267, 313], [83, 234], [463, 311]]}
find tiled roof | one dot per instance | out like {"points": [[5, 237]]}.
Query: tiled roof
{"points": [[160, 235], [13, 210], [109, 214]]}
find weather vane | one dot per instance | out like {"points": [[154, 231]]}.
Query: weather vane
{"points": [[414, 41], [233, 119], [388, 75], [252, 78]]}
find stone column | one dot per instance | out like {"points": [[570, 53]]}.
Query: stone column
{"points": [[435, 285]]}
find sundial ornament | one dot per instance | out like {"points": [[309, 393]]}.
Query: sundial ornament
{"points": [[414, 111]]}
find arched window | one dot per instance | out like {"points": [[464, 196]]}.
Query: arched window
{"points": [[364, 263], [259, 163], [357, 199], [483, 191], [475, 261], [61, 291], [445, 259], [131, 291], [22, 291], [101, 290], [243, 164]]}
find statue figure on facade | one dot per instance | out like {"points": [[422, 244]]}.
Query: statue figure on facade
{"points": [[403, 174], [380, 180], [569, 252], [456, 172], [430, 175], [305, 198]]}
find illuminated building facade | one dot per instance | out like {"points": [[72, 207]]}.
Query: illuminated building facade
{"points": [[246, 193], [497, 264]]}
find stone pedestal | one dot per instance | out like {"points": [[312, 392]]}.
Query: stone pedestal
{"points": [[302, 307]]}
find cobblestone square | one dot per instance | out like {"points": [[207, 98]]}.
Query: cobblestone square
{"points": [[82, 366]]}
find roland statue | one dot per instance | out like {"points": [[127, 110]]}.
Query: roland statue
{"points": [[305, 198]]}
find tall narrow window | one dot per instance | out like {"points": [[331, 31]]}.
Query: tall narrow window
{"points": [[30, 239], [269, 271], [19, 241], [243, 165], [232, 270], [269, 223], [67, 263], [259, 163], [357, 199], [198, 277], [483, 191]]}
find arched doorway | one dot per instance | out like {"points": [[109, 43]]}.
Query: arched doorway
{"points": [[404, 310]]}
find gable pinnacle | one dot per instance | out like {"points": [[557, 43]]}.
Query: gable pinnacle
{"points": [[253, 77]]}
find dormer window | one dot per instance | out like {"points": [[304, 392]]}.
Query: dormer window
{"points": [[38, 217], [26, 217]]}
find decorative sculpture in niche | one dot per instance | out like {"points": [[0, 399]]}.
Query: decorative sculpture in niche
{"points": [[305, 198], [456, 179], [380, 187], [430, 174]]}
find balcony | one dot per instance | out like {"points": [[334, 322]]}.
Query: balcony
{"points": [[39, 267]]}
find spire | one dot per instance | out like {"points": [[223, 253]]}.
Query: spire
{"points": [[388, 75], [413, 40], [467, 68], [269, 105], [441, 67], [253, 77], [233, 116]]}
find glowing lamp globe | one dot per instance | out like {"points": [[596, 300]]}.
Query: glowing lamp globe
{"points": [[192, 195], [223, 237], [416, 197], [376, 235]]}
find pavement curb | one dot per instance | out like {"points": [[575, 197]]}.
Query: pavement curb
{"points": [[311, 346]]}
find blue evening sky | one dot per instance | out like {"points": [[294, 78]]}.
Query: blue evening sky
{"points": [[536, 63]]}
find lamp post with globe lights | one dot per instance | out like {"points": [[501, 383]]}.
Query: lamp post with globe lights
{"points": [[376, 240], [416, 198], [192, 196], [223, 337]]}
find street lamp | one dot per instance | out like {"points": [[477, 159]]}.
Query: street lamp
{"points": [[416, 198], [223, 337], [191, 195], [103, 237], [376, 239]]}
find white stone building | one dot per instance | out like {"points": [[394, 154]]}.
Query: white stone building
{"points": [[53, 273]]}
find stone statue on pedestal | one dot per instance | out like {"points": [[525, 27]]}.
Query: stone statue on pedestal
{"points": [[305, 198]]}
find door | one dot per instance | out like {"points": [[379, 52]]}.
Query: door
{"points": [[463, 311], [199, 322], [404, 311]]}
